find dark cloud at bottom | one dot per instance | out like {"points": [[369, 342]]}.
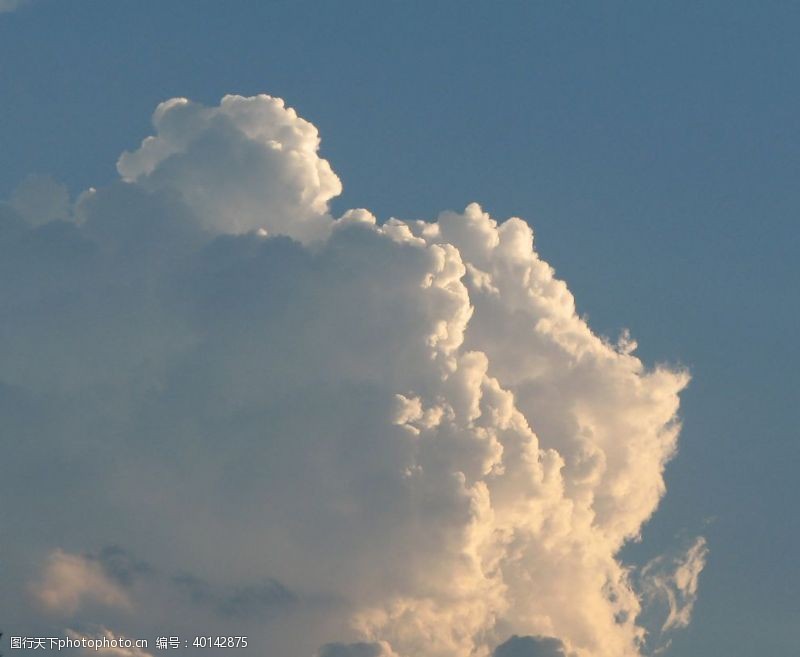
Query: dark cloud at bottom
{"points": [[360, 649], [530, 646]]}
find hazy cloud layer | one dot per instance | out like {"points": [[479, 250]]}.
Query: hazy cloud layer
{"points": [[11, 5], [340, 437]]}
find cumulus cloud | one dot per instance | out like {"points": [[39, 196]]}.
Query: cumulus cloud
{"points": [[249, 163], [336, 435]]}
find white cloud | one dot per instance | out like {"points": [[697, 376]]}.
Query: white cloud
{"points": [[249, 163], [68, 582], [400, 436], [110, 643]]}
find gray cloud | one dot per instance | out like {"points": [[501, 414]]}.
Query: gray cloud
{"points": [[120, 565], [360, 649], [530, 646], [259, 600]]}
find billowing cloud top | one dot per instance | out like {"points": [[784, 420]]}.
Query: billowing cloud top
{"points": [[249, 163], [227, 408]]}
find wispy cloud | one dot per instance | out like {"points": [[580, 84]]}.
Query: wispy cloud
{"points": [[675, 579]]}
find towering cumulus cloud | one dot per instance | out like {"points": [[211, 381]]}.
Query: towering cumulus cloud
{"points": [[226, 411]]}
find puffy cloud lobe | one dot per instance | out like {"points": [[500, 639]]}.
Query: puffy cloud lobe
{"points": [[250, 163], [401, 436]]}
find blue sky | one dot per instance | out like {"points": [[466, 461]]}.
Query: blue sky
{"points": [[654, 148]]}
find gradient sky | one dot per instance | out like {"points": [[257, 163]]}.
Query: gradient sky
{"points": [[654, 148]]}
